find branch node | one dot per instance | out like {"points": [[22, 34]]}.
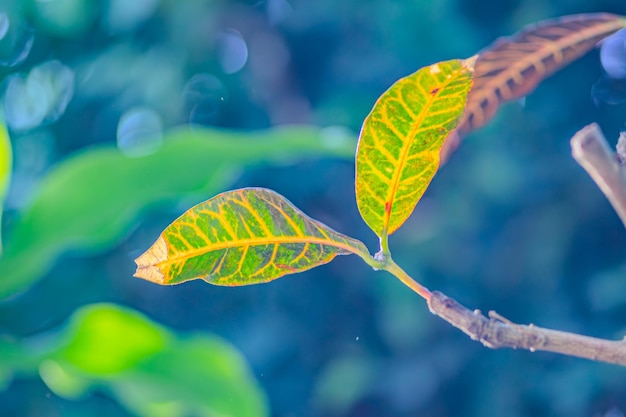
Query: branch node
{"points": [[496, 316]]}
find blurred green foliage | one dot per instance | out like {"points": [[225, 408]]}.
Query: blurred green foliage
{"points": [[89, 201], [6, 160], [145, 367]]}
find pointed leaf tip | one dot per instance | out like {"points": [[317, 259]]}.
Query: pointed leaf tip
{"points": [[470, 63], [242, 237], [146, 268]]}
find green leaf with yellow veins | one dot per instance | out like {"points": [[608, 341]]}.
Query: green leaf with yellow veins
{"points": [[398, 151], [242, 237]]}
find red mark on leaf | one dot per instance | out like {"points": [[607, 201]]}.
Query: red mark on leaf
{"points": [[434, 91], [286, 267], [387, 207]]}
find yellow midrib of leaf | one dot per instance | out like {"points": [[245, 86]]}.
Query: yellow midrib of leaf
{"points": [[273, 240], [415, 128]]}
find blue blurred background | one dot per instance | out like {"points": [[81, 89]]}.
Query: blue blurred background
{"points": [[510, 223]]}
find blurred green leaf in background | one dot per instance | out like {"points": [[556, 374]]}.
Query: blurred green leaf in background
{"points": [[5, 169], [153, 372]]}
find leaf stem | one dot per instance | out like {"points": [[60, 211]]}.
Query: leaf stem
{"points": [[384, 245], [394, 269], [383, 261]]}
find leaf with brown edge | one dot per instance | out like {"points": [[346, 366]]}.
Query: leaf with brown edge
{"points": [[398, 150], [242, 237], [511, 68]]}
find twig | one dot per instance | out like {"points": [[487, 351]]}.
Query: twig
{"points": [[591, 150], [495, 333]]}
